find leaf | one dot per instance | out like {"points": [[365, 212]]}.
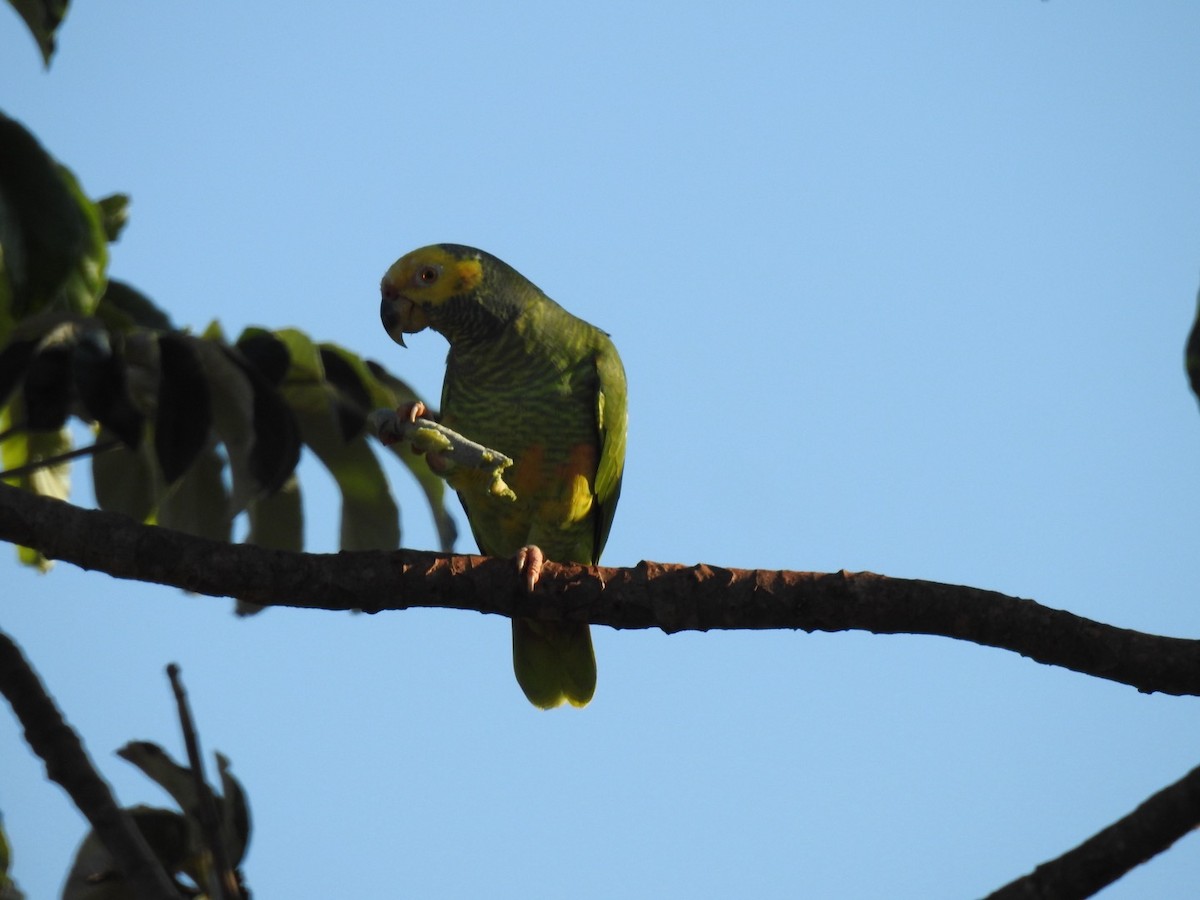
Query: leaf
{"points": [[8, 887], [370, 519], [352, 402], [433, 486], [232, 413], [99, 376], [267, 353], [124, 480], [276, 448], [94, 874], [235, 811], [52, 245], [123, 307], [48, 388], [114, 215], [197, 503], [277, 522], [184, 406], [14, 360], [180, 783], [43, 18], [20, 448]]}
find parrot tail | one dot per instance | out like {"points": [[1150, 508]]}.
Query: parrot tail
{"points": [[554, 662]]}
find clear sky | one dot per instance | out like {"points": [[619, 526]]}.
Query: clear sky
{"points": [[898, 286]]}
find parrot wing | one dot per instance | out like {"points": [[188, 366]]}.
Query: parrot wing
{"points": [[612, 424]]}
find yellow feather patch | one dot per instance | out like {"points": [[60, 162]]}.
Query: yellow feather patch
{"points": [[470, 273]]}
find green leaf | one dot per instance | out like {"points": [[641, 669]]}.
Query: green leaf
{"points": [[43, 18], [198, 503], [351, 399], [277, 522], [124, 480], [184, 406], [8, 887], [48, 388], [14, 360], [114, 215], [123, 307], [276, 448], [100, 383], [21, 448], [53, 250], [432, 485], [267, 353], [232, 398], [370, 519]]}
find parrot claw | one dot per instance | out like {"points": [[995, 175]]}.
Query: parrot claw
{"points": [[529, 564], [410, 412]]}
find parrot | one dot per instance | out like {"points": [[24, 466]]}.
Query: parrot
{"points": [[547, 389]]}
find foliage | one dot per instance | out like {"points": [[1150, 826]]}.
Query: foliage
{"points": [[191, 430], [176, 838]]}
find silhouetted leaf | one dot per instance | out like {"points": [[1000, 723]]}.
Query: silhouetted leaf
{"points": [[48, 388], [43, 18], [94, 873], [353, 401], [277, 522], [232, 413], [198, 503], [266, 353], [54, 248], [100, 382], [122, 307], [184, 415], [14, 360], [276, 449]]}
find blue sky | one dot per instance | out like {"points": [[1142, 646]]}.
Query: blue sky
{"points": [[898, 287]]}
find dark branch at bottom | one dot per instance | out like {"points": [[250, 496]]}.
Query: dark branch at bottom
{"points": [[68, 764], [1106, 856]]}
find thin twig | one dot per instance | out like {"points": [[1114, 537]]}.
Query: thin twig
{"points": [[68, 764], [90, 450], [223, 877]]}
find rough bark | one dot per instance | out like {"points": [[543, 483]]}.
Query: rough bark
{"points": [[649, 595]]}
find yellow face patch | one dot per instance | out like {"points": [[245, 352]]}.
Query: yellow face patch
{"points": [[430, 276]]}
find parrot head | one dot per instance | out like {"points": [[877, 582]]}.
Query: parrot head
{"points": [[419, 285]]}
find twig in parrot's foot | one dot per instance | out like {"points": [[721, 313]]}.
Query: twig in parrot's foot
{"points": [[447, 450], [529, 564]]}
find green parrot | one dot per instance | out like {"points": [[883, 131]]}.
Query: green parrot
{"points": [[526, 378]]}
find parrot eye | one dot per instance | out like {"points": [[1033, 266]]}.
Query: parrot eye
{"points": [[428, 274]]}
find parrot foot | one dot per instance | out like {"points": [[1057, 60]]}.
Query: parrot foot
{"points": [[410, 412], [529, 564], [406, 414]]}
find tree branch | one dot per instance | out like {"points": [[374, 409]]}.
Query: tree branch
{"points": [[1103, 858], [649, 595], [68, 764]]}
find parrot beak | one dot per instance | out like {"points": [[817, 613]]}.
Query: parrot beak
{"points": [[400, 316]]}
